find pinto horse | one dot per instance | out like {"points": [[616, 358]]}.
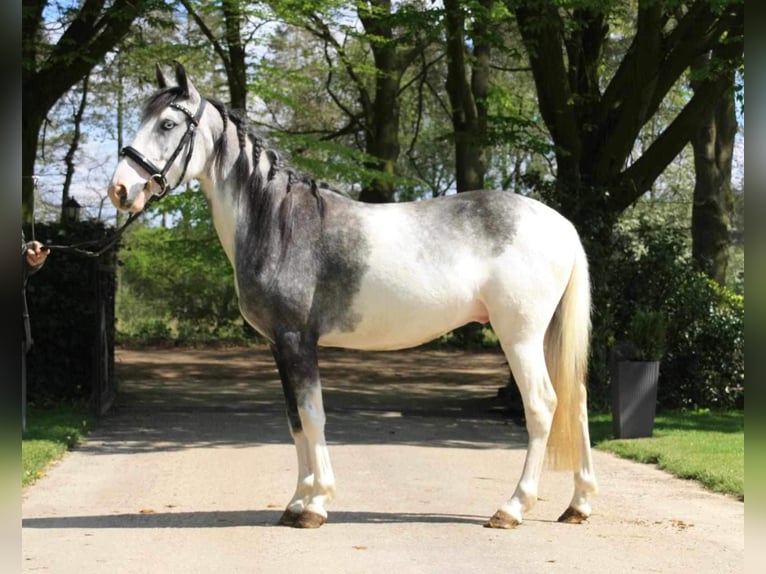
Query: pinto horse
{"points": [[315, 268]]}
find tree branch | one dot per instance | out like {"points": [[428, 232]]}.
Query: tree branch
{"points": [[541, 31], [82, 44], [323, 32], [208, 33], [636, 179], [328, 86], [640, 176]]}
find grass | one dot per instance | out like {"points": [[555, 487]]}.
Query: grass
{"points": [[50, 433], [705, 446]]}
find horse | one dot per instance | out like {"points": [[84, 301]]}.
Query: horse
{"points": [[314, 268]]}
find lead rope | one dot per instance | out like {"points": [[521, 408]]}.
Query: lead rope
{"points": [[110, 242], [102, 245]]}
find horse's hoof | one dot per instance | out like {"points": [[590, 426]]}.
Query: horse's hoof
{"points": [[308, 519], [289, 518], [502, 519], [572, 516]]}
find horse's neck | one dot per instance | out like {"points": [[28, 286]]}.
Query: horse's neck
{"points": [[222, 198]]}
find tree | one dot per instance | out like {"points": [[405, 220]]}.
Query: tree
{"points": [[391, 57], [594, 120], [468, 98], [394, 39], [51, 68], [713, 144], [74, 143], [228, 44]]}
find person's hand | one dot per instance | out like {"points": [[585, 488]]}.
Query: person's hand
{"points": [[36, 253]]}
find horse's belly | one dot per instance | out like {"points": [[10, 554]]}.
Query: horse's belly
{"points": [[389, 319], [384, 336]]}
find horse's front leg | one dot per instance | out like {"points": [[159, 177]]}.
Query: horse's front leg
{"points": [[296, 357]]}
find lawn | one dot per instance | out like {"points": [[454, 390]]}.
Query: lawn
{"points": [[50, 433], [702, 445]]}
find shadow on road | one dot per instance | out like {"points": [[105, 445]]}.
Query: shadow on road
{"points": [[234, 518], [173, 399]]}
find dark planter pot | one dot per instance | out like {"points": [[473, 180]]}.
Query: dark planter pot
{"points": [[634, 398]]}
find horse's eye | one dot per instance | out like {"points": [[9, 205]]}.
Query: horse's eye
{"points": [[168, 125]]}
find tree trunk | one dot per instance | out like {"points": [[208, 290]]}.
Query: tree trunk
{"points": [[382, 141], [31, 123], [236, 67], [231, 51], [69, 159], [468, 99], [713, 145], [469, 111], [382, 125]]}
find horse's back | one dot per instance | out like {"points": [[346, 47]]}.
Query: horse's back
{"points": [[464, 237]]}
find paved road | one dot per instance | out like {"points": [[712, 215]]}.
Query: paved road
{"points": [[191, 473]]}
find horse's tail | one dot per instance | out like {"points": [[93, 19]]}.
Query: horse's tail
{"points": [[566, 355]]}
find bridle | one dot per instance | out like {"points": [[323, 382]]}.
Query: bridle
{"points": [[155, 174], [160, 175]]}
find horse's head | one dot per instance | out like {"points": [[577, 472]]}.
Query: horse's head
{"points": [[162, 155]]}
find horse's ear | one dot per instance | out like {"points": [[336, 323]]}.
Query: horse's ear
{"points": [[187, 88], [181, 79], [162, 81]]}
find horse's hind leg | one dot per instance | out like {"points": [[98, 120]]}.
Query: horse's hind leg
{"points": [[584, 478], [296, 358], [527, 362]]}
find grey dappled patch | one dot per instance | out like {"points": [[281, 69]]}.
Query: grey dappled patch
{"points": [[486, 219], [300, 259]]}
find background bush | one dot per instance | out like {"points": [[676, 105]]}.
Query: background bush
{"points": [[176, 285], [703, 362]]}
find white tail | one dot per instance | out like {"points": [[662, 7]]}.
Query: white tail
{"points": [[566, 355]]}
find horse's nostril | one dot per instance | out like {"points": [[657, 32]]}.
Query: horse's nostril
{"points": [[119, 192]]}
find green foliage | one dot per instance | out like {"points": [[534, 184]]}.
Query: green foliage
{"points": [[152, 331], [176, 283], [647, 331], [703, 363], [699, 445], [473, 336]]}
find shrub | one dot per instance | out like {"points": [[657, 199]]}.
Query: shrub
{"points": [[703, 363], [153, 331], [648, 332], [176, 283]]}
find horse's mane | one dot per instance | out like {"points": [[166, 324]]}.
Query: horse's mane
{"points": [[260, 191], [166, 96]]}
